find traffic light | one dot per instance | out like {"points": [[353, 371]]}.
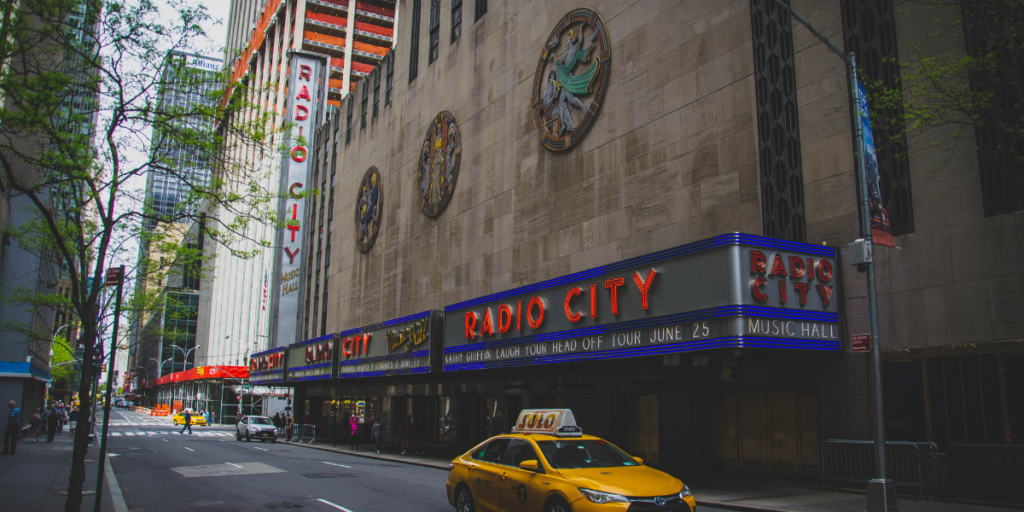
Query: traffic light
{"points": [[104, 370]]}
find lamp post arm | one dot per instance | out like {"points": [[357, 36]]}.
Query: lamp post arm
{"points": [[835, 49]]}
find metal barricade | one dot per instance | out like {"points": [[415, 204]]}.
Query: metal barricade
{"points": [[303, 434], [909, 464]]}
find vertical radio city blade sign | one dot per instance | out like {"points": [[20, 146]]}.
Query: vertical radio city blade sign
{"points": [[304, 84], [730, 291]]}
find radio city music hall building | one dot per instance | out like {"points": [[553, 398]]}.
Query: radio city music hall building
{"points": [[640, 212]]}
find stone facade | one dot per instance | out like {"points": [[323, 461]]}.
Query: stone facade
{"points": [[671, 159]]}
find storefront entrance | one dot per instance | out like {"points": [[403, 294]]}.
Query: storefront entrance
{"points": [[767, 433], [643, 428]]}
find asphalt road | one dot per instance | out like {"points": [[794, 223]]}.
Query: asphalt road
{"points": [[159, 470], [210, 471]]}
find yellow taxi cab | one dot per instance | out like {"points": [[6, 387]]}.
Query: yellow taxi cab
{"points": [[197, 419], [547, 464]]}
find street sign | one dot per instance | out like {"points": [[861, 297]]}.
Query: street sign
{"points": [[861, 343], [113, 276]]}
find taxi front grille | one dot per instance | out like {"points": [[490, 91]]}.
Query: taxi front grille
{"points": [[671, 503]]}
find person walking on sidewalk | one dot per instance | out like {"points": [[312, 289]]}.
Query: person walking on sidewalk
{"points": [[404, 433], [13, 429], [52, 420], [188, 423], [376, 433], [36, 424], [353, 423], [72, 420]]}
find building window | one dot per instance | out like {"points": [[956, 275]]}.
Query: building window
{"points": [[481, 9], [869, 30], [998, 127], [364, 100], [387, 80], [348, 120], [323, 324], [456, 19], [435, 30], [778, 125], [414, 44], [376, 91]]}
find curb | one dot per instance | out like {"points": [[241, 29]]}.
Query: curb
{"points": [[741, 508], [369, 456], [703, 503]]}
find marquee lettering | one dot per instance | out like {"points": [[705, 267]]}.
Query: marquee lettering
{"points": [[800, 274]]}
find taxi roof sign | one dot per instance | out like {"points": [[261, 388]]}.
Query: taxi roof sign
{"points": [[554, 422]]}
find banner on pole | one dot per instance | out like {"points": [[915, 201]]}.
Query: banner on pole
{"points": [[881, 232]]}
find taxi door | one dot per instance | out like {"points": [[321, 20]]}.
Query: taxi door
{"points": [[483, 474], [521, 490]]}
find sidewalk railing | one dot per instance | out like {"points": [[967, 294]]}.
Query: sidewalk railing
{"points": [[844, 461], [303, 434]]}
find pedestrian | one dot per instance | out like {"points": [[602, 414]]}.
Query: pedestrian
{"points": [[52, 421], [188, 422], [419, 436], [404, 432], [73, 420], [62, 417], [13, 429], [376, 433], [353, 423], [208, 418], [36, 424]]}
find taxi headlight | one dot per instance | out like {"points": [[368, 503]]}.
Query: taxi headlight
{"points": [[602, 497], [685, 492]]}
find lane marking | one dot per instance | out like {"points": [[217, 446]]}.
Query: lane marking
{"points": [[258, 448], [339, 507], [190, 449], [235, 465], [342, 465], [164, 440]]}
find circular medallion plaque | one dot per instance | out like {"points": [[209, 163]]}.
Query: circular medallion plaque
{"points": [[369, 206], [439, 164], [571, 80]]}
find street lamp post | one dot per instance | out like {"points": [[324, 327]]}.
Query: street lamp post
{"points": [[159, 366], [881, 490], [185, 355]]}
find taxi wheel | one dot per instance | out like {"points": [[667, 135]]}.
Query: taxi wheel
{"points": [[464, 500], [557, 505]]}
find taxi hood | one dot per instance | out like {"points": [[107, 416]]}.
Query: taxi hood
{"points": [[635, 481]]}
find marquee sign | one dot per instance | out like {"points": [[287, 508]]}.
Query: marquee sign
{"points": [[395, 347], [267, 367], [312, 359], [731, 291], [304, 114]]}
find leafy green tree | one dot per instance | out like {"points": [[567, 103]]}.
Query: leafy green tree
{"points": [[80, 86]]}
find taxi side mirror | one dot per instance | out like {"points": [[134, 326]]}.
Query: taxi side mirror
{"points": [[529, 465], [638, 460]]}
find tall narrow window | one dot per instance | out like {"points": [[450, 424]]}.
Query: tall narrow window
{"points": [[414, 43], [456, 19], [778, 126], [1000, 118], [481, 9], [869, 30], [435, 30], [388, 78], [348, 120], [376, 91], [323, 325], [365, 98]]}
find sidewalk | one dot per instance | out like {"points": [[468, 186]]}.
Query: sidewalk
{"points": [[744, 492], [31, 479]]}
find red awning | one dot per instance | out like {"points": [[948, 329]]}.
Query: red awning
{"points": [[204, 372]]}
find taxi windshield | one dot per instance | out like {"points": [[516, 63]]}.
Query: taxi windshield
{"points": [[580, 453], [260, 421]]}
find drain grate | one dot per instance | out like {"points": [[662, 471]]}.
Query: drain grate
{"points": [[282, 505], [327, 475]]}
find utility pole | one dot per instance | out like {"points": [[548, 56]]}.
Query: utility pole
{"points": [[881, 490], [114, 277]]}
